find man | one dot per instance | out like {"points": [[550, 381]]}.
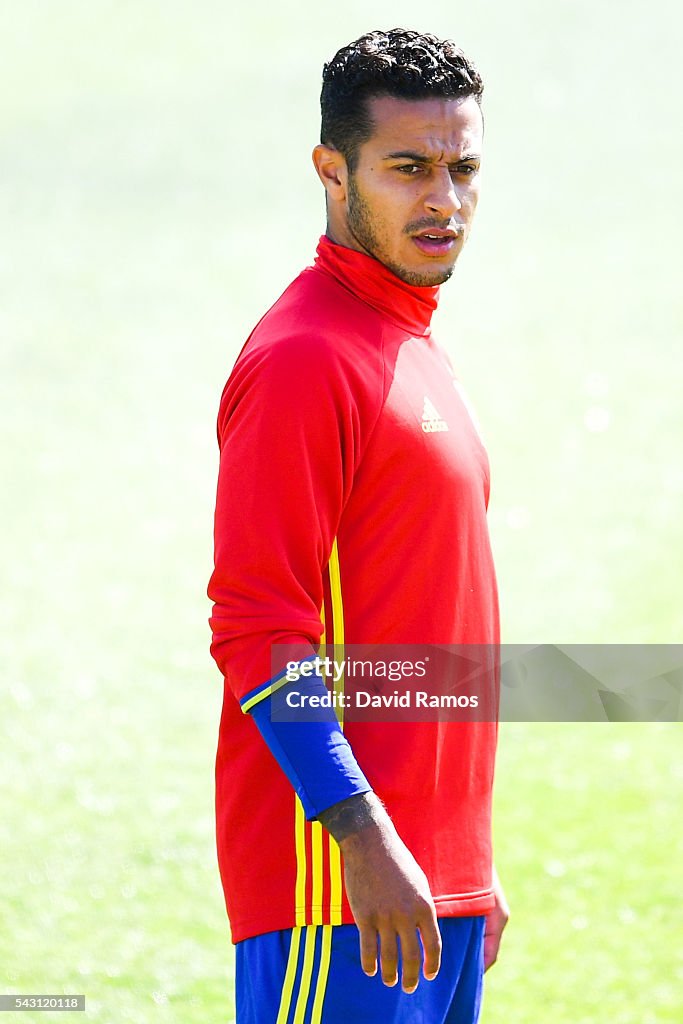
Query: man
{"points": [[351, 509]]}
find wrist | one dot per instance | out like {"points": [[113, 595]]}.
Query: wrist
{"points": [[353, 816]]}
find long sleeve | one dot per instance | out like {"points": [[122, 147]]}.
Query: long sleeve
{"points": [[288, 429]]}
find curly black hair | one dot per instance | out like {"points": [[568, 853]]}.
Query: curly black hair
{"points": [[402, 63]]}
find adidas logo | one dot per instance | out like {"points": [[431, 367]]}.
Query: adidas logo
{"points": [[431, 421]]}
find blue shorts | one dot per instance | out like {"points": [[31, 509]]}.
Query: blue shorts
{"points": [[312, 975]]}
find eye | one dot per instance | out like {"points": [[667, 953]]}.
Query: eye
{"points": [[468, 170], [409, 169]]}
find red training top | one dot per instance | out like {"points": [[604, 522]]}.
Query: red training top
{"points": [[351, 508]]}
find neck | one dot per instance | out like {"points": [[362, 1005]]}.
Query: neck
{"points": [[341, 234], [408, 306]]}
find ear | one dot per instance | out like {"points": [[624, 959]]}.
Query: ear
{"points": [[332, 171]]}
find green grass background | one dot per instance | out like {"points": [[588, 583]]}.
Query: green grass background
{"points": [[155, 194]]}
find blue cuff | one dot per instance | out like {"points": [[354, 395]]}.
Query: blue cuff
{"points": [[313, 753]]}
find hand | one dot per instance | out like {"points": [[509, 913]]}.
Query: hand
{"points": [[390, 899], [496, 920]]}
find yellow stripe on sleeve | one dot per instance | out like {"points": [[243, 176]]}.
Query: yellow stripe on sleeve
{"points": [[267, 691], [290, 676]]}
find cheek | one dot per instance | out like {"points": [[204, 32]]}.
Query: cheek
{"points": [[390, 204], [469, 203], [473, 198]]}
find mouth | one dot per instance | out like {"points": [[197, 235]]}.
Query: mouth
{"points": [[436, 241]]}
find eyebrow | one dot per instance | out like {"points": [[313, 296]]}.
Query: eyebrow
{"points": [[420, 158]]}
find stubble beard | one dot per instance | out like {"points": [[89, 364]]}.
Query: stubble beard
{"points": [[360, 223]]}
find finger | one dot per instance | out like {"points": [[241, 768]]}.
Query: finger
{"points": [[388, 957], [368, 950], [431, 946], [411, 959]]}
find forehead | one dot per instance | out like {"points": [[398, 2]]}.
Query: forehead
{"points": [[438, 126]]}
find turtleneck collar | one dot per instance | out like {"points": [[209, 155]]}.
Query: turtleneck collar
{"points": [[409, 306]]}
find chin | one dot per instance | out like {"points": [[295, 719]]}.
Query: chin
{"points": [[425, 278]]}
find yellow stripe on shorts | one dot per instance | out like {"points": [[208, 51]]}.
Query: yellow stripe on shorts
{"points": [[300, 980]]}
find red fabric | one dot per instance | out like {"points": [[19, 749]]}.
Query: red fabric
{"points": [[329, 428]]}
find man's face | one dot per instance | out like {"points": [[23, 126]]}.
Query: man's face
{"points": [[412, 195]]}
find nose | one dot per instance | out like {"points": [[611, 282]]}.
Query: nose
{"points": [[442, 198]]}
